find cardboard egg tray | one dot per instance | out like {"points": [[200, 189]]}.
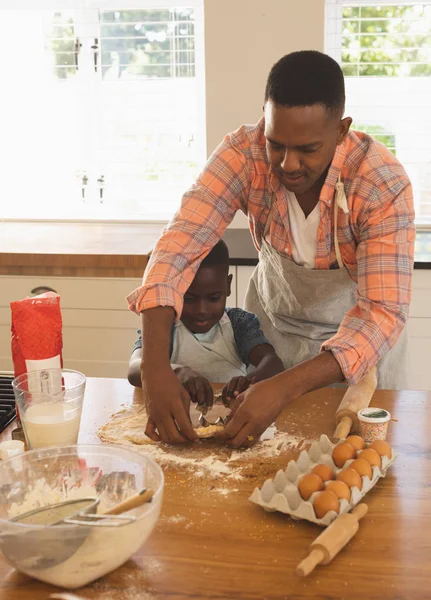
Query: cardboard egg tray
{"points": [[281, 493]]}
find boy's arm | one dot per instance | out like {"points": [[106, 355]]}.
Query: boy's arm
{"points": [[254, 349], [266, 362]]}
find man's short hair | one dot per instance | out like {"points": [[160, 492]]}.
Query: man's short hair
{"points": [[305, 78], [219, 255]]}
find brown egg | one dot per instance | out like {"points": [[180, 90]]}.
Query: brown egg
{"points": [[342, 453], [356, 441], [324, 472], [351, 478], [362, 466], [309, 484], [371, 455], [324, 502], [340, 489], [382, 448]]}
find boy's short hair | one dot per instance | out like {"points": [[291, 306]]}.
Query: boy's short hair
{"points": [[218, 256]]}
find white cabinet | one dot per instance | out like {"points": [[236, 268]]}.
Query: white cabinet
{"points": [[243, 277], [98, 329], [419, 329]]}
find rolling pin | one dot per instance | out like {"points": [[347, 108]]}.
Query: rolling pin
{"points": [[357, 397], [332, 540]]}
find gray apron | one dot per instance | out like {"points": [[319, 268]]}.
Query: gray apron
{"points": [[301, 308], [213, 355]]}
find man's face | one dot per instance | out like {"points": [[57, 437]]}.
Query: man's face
{"points": [[300, 143], [205, 300]]}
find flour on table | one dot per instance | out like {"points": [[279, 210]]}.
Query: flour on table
{"points": [[127, 428]]}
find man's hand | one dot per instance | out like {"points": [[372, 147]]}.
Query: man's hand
{"points": [[256, 408], [198, 388], [252, 413], [235, 387], [168, 408], [168, 403]]}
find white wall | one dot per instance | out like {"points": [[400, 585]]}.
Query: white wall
{"points": [[243, 39]]}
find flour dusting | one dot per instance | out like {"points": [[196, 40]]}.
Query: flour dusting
{"points": [[216, 461]]}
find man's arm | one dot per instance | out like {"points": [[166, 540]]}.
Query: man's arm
{"points": [[167, 401], [385, 257]]}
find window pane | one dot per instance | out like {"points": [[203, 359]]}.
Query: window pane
{"points": [[148, 107], [385, 54], [104, 113]]}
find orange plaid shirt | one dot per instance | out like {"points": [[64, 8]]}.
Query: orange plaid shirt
{"points": [[376, 238]]}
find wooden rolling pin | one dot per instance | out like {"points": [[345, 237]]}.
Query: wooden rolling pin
{"points": [[357, 396], [332, 540]]}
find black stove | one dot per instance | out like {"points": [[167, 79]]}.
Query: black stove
{"points": [[7, 401]]}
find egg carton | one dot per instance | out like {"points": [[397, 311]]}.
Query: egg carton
{"points": [[281, 493]]}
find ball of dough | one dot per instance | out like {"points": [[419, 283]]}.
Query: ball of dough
{"points": [[308, 484], [342, 453], [362, 466], [350, 478], [324, 502], [340, 489], [356, 441], [382, 448], [372, 457], [324, 472]]}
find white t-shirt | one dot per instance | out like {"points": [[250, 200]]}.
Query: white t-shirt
{"points": [[304, 232]]}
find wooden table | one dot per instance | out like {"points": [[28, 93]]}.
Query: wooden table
{"points": [[217, 545]]}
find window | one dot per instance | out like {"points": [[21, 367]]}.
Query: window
{"points": [[384, 49], [102, 108]]}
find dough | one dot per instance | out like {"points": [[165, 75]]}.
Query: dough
{"points": [[128, 427], [208, 432]]}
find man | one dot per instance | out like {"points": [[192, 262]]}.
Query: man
{"points": [[331, 212]]}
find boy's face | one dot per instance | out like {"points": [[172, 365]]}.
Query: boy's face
{"points": [[205, 300]]}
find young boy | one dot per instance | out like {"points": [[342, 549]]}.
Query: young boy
{"points": [[212, 343]]}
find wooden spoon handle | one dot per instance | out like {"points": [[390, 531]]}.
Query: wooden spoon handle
{"points": [[133, 502]]}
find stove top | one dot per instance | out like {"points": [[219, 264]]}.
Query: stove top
{"points": [[7, 401]]}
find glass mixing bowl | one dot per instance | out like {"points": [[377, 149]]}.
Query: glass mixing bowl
{"points": [[71, 556]]}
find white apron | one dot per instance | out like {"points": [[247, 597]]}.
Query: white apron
{"points": [[301, 308], [213, 354]]}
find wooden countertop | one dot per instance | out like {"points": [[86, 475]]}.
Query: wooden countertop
{"points": [[113, 249], [212, 543]]}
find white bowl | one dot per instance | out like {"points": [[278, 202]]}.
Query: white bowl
{"points": [[72, 556]]}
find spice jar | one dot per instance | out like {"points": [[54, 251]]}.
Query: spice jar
{"points": [[373, 423]]}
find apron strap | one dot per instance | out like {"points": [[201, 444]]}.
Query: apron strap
{"points": [[340, 202]]}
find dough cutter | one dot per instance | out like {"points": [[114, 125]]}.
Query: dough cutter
{"points": [[205, 409]]}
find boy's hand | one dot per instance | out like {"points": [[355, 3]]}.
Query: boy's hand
{"points": [[234, 387], [197, 386]]}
